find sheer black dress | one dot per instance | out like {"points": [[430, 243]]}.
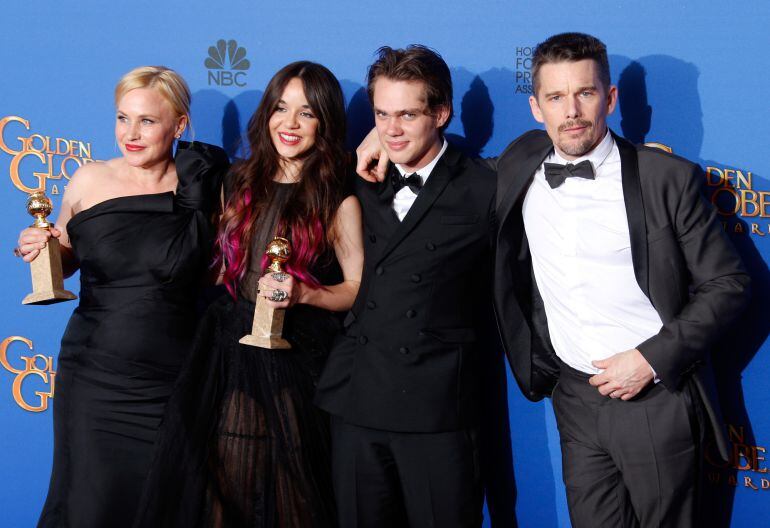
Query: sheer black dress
{"points": [[142, 261], [241, 444]]}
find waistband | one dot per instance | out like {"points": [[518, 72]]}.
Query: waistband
{"points": [[569, 372]]}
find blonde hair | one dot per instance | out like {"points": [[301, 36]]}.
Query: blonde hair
{"points": [[169, 84]]}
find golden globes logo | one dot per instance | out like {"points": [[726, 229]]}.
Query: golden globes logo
{"points": [[52, 158], [36, 367], [733, 195], [743, 457]]}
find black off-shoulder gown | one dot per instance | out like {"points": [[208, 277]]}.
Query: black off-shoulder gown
{"points": [[142, 260]]}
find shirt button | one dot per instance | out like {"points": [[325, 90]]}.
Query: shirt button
{"points": [[416, 278], [371, 305], [411, 314], [372, 239], [430, 246], [403, 350], [379, 270], [362, 340]]}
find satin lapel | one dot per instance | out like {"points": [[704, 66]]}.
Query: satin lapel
{"points": [[524, 166], [632, 195], [438, 180]]}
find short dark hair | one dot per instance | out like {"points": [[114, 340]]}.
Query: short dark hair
{"points": [[414, 63], [570, 47]]}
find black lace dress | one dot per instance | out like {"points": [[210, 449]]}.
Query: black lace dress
{"points": [[242, 444], [142, 261]]}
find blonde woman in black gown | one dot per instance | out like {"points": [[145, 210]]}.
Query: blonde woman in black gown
{"points": [[242, 444], [138, 228]]}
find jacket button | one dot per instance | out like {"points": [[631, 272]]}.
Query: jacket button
{"points": [[362, 340], [379, 270], [411, 314], [372, 239], [430, 246], [403, 350], [416, 278], [371, 305]]}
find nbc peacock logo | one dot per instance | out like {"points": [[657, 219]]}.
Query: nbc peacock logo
{"points": [[227, 64]]}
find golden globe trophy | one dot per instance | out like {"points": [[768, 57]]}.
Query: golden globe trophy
{"points": [[47, 276], [268, 322]]}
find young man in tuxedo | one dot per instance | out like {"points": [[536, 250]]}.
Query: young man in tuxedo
{"points": [[612, 280], [620, 268], [401, 383]]}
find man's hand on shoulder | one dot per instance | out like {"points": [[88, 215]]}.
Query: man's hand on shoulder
{"points": [[623, 375], [372, 160]]}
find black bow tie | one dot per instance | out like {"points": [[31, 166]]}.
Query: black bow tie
{"points": [[556, 173], [413, 181]]}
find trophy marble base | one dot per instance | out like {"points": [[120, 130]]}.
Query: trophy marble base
{"points": [[267, 327], [47, 277], [49, 297], [271, 342]]}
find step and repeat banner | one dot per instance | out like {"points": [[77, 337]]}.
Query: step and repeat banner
{"points": [[689, 76]]}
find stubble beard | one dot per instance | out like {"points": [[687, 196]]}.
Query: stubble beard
{"points": [[582, 146]]}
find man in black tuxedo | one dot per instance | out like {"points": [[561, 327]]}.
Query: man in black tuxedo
{"points": [[613, 279], [402, 381]]}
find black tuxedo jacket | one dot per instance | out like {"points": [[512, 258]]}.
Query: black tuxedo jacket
{"points": [[407, 358], [683, 263]]}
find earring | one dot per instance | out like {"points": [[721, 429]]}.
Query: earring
{"points": [[178, 136]]}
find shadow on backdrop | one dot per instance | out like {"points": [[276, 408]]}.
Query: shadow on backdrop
{"points": [[222, 120], [475, 113], [359, 113], [659, 102]]}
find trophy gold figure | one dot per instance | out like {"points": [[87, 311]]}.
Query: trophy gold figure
{"points": [[268, 322], [47, 275]]}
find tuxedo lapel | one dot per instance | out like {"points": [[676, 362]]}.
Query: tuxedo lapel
{"points": [[522, 167], [632, 195], [434, 186]]}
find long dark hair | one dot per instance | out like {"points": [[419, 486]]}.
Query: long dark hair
{"points": [[309, 215]]}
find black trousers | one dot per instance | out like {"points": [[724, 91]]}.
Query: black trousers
{"points": [[419, 480], [627, 463]]}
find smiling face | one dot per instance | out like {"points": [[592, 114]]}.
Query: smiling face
{"points": [[408, 130], [573, 104], [146, 126], [293, 124]]}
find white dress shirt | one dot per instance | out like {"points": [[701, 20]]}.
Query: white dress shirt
{"points": [[581, 256], [405, 197]]}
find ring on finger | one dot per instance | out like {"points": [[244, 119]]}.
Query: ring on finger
{"points": [[278, 296], [280, 276]]}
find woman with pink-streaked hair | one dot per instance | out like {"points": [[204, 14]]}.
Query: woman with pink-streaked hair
{"points": [[242, 443]]}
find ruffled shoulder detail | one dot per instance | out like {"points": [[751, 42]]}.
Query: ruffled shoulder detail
{"points": [[200, 168]]}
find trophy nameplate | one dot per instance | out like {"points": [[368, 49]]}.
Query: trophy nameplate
{"points": [[268, 321], [46, 269]]}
